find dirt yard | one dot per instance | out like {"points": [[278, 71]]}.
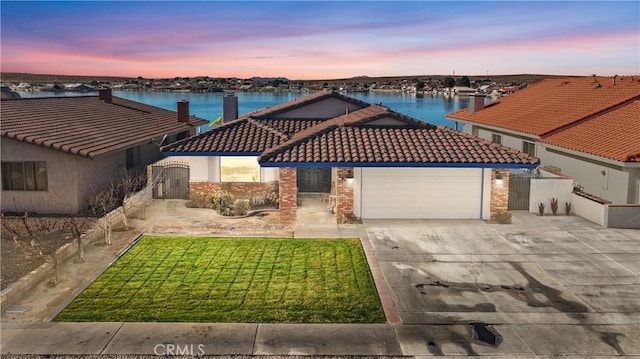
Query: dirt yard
{"points": [[25, 244]]}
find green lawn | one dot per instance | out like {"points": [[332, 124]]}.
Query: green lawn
{"points": [[245, 280]]}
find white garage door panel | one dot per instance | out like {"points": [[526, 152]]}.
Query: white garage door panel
{"points": [[421, 192]]}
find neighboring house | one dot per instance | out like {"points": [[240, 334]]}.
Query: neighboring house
{"points": [[587, 127], [57, 151], [376, 162]]}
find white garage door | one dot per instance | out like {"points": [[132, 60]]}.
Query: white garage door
{"points": [[421, 192]]}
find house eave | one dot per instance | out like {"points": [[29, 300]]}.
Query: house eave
{"points": [[399, 164], [592, 157], [209, 154], [500, 129]]}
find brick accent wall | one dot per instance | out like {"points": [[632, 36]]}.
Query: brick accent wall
{"points": [[240, 190], [288, 194], [499, 192], [344, 196]]}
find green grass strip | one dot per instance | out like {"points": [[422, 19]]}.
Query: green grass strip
{"points": [[233, 280]]}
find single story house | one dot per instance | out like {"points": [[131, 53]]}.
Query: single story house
{"points": [[586, 127], [376, 162], [58, 151]]}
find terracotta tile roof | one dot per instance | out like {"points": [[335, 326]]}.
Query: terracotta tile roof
{"points": [[554, 103], [303, 101], [243, 135], [87, 126], [352, 139], [614, 135]]}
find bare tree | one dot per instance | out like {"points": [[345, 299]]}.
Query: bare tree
{"points": [[118, 195], [100, 204], [126, 187], [77, 226]]}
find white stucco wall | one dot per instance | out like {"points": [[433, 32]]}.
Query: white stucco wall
{"points": [[486, 194], [543, 189], [596, 179], [328, 108], [269, 174], [357, 192], [588, 209]]}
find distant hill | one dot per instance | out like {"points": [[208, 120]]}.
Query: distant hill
{"points": [[8, 77], [50, 78]]}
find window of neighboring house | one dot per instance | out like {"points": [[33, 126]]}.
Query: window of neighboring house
{"points": [[529, 148], [24, 176], [239, 169], [496, 139], [133, 157]]}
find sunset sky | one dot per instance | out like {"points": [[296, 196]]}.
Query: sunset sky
{"points": [[319, 40]]}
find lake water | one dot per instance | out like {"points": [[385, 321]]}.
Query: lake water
{"points": [[428, 108]]}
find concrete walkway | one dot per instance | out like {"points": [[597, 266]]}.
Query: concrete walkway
{"points": [[538, 288]]}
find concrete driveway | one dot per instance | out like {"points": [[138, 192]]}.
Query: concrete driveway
{"points": [[540, 286]]}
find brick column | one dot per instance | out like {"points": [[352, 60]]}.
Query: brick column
{"points": [[499, 191], [344, 195], [288, 194]]}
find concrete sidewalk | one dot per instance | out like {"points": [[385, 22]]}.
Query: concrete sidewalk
{"points": [[199, 339]]}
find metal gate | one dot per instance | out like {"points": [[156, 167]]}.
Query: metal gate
{"points": [[519, 189], [170, 181]]}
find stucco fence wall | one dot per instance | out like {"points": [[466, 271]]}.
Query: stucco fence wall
{"points": [[609, 215], [115, 218], [549, 186]]}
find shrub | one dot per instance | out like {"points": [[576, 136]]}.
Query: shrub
{"points": [[541, 207], [241, 207], [272, 199], [222, 202], [198, 200], [554, 206], [567, 208], [502, 217]]}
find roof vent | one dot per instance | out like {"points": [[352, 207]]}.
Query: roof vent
{"points": [[597, 86]]}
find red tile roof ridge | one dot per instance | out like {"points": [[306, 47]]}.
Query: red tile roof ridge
{"points": [[267, 128]]}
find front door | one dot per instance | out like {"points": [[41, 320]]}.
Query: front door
{"points": [[314, 180]]}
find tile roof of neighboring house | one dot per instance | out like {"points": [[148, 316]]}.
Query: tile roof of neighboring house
{"points": [[87, 126], [614, 135], [352, 138], [303, 101], [552, 104]]}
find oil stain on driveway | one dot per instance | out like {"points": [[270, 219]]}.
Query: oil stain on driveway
{"points": [[539, 286]]}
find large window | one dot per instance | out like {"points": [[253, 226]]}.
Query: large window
{"points": [[24, 176], [496, 139], [529, 148], [133, 157], [239, 169]]}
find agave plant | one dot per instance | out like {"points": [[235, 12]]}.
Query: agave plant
{"points": [[554, 206], [541, 207]]}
